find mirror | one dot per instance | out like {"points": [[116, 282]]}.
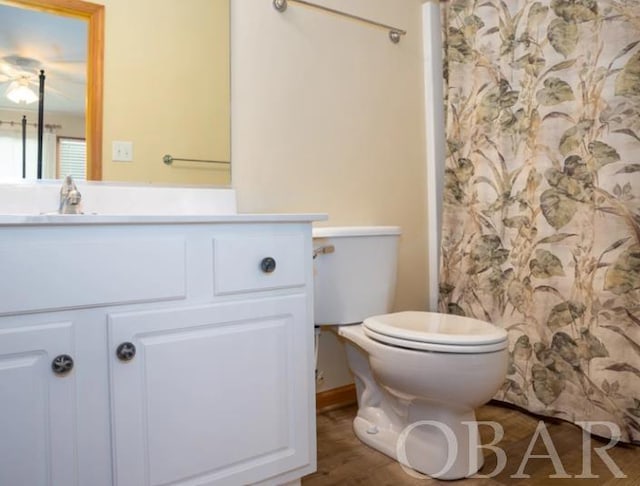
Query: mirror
{"points": [[163, 87], [23, 57]]}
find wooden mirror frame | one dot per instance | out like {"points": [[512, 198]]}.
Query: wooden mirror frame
{"points": [[94, 15]]}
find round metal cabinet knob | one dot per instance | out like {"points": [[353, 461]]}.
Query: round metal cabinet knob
{"points": [[126, 351], [268, 265], [62, 364]]}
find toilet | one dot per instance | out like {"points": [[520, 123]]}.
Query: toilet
{"points": [[419, 375]]}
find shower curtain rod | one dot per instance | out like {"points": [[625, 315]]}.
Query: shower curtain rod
{"points": [[394, 32]]}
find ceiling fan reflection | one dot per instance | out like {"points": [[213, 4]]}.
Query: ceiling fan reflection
{"points": [[20, 75]]}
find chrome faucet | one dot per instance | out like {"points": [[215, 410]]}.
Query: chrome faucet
{"points": [[70, 197]]}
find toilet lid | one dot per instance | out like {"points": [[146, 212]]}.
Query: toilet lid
{"points": [[431, 331]]}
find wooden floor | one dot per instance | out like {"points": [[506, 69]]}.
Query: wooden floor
{"points": [[344, 460]]}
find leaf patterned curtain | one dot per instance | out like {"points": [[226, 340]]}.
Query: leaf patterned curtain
{"points": [[541, 223]]}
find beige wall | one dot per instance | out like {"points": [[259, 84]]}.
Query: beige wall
{"points": [[328, 117], [167, 88]]}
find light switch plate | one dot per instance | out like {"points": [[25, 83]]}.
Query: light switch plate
{"points": [[122, 151]]}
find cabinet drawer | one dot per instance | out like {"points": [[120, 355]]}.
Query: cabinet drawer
{"points": [[238, 262], [58, 273]]}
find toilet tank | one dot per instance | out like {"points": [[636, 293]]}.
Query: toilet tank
{"points": [[354, 272]]}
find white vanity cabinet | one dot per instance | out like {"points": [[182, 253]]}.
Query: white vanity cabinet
{"points": [[37, 408], [159, 351]]}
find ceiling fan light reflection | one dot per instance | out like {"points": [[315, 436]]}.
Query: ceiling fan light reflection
{"points": [[20, 93]]}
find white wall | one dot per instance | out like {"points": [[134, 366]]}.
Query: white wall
{"points": [[328, 116], [436, 138]]}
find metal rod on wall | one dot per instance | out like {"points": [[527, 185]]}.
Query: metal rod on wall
{"points": [[168, 159], [40, 122], [394, 32], [47, 126], [24, 147]]}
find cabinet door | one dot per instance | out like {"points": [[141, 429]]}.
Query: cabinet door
{"points": [[217, 394], [37, 423]]}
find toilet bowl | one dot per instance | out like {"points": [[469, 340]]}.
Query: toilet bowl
{"points": [[426, 387], [419, 375]]}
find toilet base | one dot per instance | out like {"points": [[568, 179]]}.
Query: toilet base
{"points": [[382, 440], [425, 448], [408, 411]]}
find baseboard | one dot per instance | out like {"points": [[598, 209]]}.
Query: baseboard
{"points": [[336, 398]]}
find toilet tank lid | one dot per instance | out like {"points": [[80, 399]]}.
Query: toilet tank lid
{"points": [[345, 231]]}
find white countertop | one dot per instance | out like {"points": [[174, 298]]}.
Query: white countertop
{"points": [[34, 203], [102, 219]]}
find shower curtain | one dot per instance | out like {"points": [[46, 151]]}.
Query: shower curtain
{"points": [[541, 213]]}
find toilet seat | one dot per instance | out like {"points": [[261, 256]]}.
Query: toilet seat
{"points": [[428, 331]]}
